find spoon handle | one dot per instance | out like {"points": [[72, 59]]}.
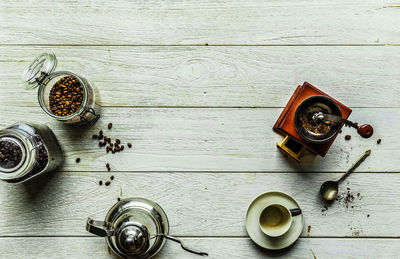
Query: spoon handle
{"points": [[360, 160]]}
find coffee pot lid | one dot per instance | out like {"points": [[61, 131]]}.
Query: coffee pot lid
{"points": [[41, 67]]}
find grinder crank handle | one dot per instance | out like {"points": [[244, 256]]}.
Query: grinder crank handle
{"points": [[364, 130]]}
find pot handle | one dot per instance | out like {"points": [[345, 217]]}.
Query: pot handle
{"points": [[98, 228], [193, 251]]}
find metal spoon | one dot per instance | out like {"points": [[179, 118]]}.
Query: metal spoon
{"points": [[329, 189]]}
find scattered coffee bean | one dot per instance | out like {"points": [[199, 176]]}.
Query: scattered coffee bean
{"points": [[107, 183], [101, 133], [368, 216], [129, 144], [100, 144], [95, 136], [118, 141], [118, 199], [78, 160], [347, 137], [122, 147], [113, 151], [109, 125], [100, 182], [107, 165], [10, 154], [111, 144], [112, 177], [340, 131], [379, 141], [66, 96]]}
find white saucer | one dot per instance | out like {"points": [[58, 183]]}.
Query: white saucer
{"points": [[253, 215]]}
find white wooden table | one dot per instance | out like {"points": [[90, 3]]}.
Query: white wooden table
{"points": [[196, 86]]}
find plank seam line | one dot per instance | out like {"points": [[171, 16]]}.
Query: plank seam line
{"points": [[212, 107], [209, 237], [232, 172], [200, 45]]}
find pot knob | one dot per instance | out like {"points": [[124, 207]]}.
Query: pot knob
{"points": [[133, 239]]}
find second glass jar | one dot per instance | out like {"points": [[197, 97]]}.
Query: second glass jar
{"points": [[63, 95]]}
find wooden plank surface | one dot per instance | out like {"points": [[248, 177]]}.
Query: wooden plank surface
{"points": [[176, 76], [200, 204], [193, 22], [74, 247], [196, 87], [197, 139]]}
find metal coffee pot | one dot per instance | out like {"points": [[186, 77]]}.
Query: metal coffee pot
{"points": [[135, 228]]}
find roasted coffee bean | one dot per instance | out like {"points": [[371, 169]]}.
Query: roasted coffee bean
{"points": [[100, 182], [129, 144], [66, 96], [113, 151], [109, 125], [112, 177], [100, 144], [118, 141], [104, 143], [107, 165], [95, 136], [111, 144], [118, 199], [122, 147], [107, 183], [78, 160], [101, 133], [379, 141], [347, 137]]}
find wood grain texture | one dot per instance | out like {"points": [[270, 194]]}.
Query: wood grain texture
{"points": [[196, 139], [160, 22], [215, 76], [218, 248], [199, 204]]}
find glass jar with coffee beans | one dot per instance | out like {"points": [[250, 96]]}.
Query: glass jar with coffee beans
{"points": [[28, 150], [63, 95]]}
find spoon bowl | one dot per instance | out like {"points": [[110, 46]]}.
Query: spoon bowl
{"points": [[329, 190]]}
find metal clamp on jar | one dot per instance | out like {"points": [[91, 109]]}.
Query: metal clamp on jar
{"points": [[135, 228], [26, 151], [63, 95]]}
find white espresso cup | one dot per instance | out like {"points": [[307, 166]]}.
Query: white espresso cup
{"points": [[275, 219]]}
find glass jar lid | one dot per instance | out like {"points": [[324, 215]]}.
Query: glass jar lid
{"points": [[14, 148], [41, 67], [26, 144]]}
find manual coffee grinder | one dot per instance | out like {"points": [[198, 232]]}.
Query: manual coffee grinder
{"points": [[311, 120]]}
